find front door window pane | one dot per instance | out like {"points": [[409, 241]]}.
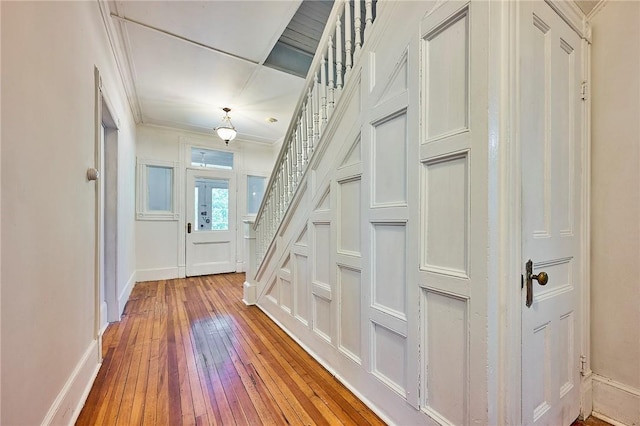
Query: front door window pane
{"points": [[211, 204]]}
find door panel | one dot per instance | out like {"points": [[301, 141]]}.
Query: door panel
{"points": [[550, 136], [211, 236]]}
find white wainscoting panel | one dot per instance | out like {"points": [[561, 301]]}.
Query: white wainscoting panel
{"points": [[354, 156], [389, 263], [349, 328], [272, 291], [445, 364], [285, 294], [447, 77], [322, 317], [349, 217], [390, 160], [322, 253], [302, 239], [389, 354], [445, 223], [301, 288]]}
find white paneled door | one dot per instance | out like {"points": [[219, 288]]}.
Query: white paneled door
{"points": [[551, 131], [211, 223]]}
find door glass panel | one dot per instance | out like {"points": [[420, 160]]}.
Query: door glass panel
{"points": [[211, 204]]}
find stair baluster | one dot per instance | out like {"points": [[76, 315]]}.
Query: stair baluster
{"points": [[328, 75]]}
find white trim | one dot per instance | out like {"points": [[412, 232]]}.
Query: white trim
{"points": [[249, 293], [141, 191], [571, 14], [155, 274], [125, 293], [596, 9], [121, 59], [586, 390], [607, 419], [617, 402], [104, 322], [71, 398], [510, 351]]}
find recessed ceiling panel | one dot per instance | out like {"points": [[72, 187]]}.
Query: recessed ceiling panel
{"points": [[169, 68], [246, 28]]}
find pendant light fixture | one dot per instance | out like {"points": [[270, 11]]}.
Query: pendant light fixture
{"points": [[226, 131]]}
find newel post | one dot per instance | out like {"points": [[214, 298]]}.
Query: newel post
{"points": [[249, 293]]}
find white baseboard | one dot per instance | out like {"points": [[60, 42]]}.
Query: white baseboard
{"points": [[125, 293], [615, 401], [157, 274], [330, 369], [69, 402]]}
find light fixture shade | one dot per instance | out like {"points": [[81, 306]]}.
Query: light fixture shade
{"points": [[226, 131]]}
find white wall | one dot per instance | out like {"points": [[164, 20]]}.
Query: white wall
{"points": [[49, 351], [615, 211], [159, 253]]}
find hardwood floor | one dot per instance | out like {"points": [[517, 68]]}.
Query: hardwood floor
{"points": [[190, 352]]}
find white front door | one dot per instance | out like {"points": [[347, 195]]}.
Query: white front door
{"points": [[551, 126], [211, 222]]}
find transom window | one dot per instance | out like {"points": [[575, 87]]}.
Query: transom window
{"points": [[209, 158]]}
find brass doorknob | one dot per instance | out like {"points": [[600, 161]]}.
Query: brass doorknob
{"points": [[542, 278]]}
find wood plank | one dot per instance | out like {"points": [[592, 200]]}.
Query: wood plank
{"points": [[189, 352]]}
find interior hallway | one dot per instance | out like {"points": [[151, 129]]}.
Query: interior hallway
{"points": [[189, 351]]}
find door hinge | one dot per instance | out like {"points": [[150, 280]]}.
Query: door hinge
{"points": [[583, 90], [583, 365]]}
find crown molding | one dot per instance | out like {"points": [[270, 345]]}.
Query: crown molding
{"points": [[118, 42], [596, 9]]}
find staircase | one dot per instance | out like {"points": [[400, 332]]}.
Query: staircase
{"points": [[337, 235], [349, 22]]}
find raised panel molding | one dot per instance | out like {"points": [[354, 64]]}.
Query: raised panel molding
{"points": [[322, 252], [445, 216], [272, 291], [389, 257], [322, 317], [389, 163], [349, 302], [325, 202], [301, 289], [285, 294], [302, 238], [388, 357], [446, 75], [349, 216], [445, 363], [396, 82], [354, 156]]}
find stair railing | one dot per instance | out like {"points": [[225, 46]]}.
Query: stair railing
{"points": [[328, 73]]}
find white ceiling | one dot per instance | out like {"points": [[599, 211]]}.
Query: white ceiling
{"points": [[186, 60]]}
